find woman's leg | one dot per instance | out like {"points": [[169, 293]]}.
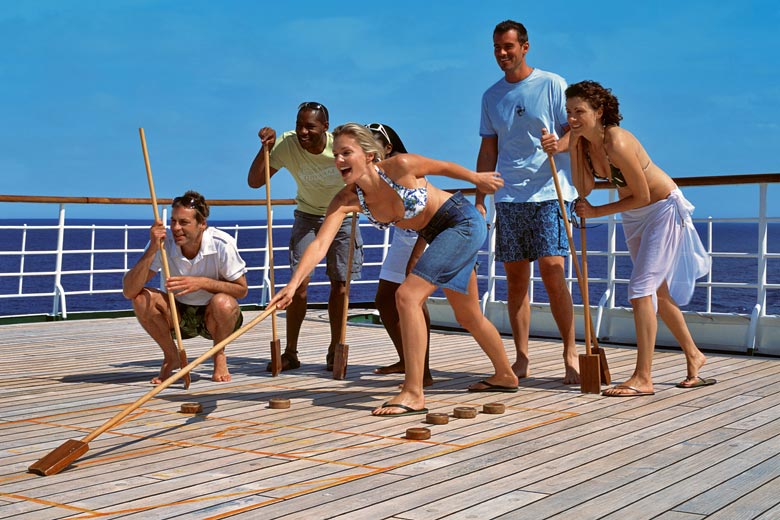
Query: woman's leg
{"points": [[673, 318], [646, 328], [410, 298], [470, 317], [388, 313]]}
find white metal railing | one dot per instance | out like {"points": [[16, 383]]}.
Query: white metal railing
{"points": [[610, 281], [60, 290], [26, 287]]}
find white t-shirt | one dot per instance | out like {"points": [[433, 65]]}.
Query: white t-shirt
{"points": [[217, 259], [516, 114]]}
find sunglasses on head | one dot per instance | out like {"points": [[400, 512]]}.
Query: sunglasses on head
{"points": [[189, 202], [313, 105], [378, 127]]}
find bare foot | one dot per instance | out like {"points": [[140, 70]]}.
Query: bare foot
{"points": [[520, 368], [395, 368], [572, 363], [167, 368], [221, 374], [572, 376]]}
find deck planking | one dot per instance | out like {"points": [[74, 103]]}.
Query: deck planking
{"points": [[701, 453]]}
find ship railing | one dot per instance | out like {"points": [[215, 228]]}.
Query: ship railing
{"points": [[605, 285], [603, 288]]}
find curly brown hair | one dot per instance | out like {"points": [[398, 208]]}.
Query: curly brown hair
{"points": [[597, 97]]}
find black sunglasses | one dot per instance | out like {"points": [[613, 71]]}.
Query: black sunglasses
{"points": [[313, 105]]}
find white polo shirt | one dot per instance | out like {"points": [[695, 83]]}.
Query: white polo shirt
{"points": [[217, 259]]}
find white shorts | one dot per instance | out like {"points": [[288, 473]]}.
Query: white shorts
{"points": [[394, 266]]}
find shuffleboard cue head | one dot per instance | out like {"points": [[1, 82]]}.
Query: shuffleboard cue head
{"points": [[60, 458], [183, 363], [276, 357], [340, 357], [590, 374]]}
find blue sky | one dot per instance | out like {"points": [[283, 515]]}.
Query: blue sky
{"points": [[698, 82]]}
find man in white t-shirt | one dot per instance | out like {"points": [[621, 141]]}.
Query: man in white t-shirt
{"points": [[529, 224], [207, 279]]}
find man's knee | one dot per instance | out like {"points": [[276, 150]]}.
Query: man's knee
{"points": [[146, 303], [222, 306], [552, 268]]}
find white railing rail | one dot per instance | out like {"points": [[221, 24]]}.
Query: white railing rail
{"points": [[60, 291]]}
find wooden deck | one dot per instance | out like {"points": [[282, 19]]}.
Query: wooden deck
{"points": [[712, 452]]}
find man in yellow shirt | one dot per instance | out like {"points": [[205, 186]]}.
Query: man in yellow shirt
{"points": [[307, 153]]}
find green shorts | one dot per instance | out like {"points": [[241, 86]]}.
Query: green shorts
{"points": [[192, 321]]}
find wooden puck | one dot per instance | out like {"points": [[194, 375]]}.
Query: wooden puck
{"points": [[493, 408], [465, 412], [279, 403], [437, 418], [191, 408], [418, 434]]}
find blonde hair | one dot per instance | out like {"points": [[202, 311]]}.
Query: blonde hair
{"points": [[363, 136]]}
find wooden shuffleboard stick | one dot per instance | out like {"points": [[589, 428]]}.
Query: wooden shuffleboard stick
{"points": [[166, 269], [276, 346], [593, 364], [72, 449], [341, 355]]}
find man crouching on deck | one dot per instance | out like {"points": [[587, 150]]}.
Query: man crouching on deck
{"points": [[207, 278]]}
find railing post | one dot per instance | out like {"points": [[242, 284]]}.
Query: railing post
{"points": [[59, 292], [762, 248], [709, 274], [265, 293], [490, 292]]}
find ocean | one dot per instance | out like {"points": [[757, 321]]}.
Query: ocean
{"points": [[738, 238]]}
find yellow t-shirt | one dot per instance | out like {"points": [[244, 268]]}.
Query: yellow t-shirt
{"points": [[317, 177]]}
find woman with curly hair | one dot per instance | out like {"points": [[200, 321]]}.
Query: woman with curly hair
{"points": [[396, 192], [667, 253]]}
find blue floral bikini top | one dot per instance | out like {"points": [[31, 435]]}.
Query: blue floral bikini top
{"points": [[414, 200]]}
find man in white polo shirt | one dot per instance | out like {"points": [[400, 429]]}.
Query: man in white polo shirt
{"points": [[207, 279]]}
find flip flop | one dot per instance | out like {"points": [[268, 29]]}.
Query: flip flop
{"points": [[635, 392], [695, 382], [408, 410], [490, 387]]}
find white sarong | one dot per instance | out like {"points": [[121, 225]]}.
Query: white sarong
{"points": [[664, 245]]}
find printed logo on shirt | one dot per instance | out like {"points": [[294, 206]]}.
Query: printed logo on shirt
{"points": [[519, 110]]}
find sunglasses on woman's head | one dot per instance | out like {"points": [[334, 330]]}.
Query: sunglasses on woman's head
{"points": [[378, 127]]}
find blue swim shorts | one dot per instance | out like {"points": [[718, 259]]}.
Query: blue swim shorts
{"points": [[530, 230]]}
